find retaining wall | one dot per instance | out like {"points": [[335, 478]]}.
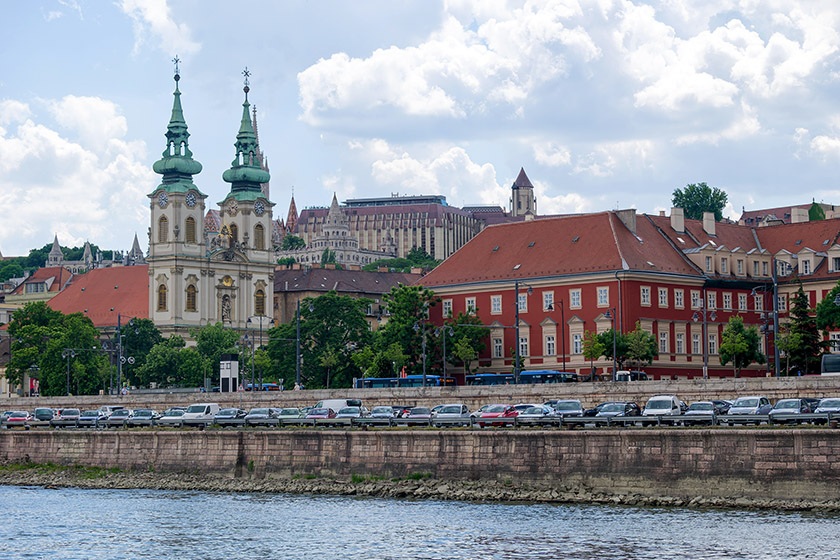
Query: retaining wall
{"points": [[776, 464]]}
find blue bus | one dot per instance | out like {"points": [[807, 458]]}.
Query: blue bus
{"points": [[407, 381], [525, 377], [490, 379]]}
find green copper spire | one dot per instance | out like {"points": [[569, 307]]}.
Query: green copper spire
{"points": [[177, 164], [245, 174]]}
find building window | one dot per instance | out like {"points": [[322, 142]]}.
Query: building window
{"points": [[549, 345], [447, 308], [755, 268], [259, 237], [712, 344], [663, 297], [724, 266], [742, 302], [259, 303], [663, 342], [740, 267], [680, 343], [806, 267], [834, 342], [695, 344], [523, 345], [836, 261], [548, 301], [523, 302], [678, 299], [161, 302], [495, 304], [758, 302], [782, 303], [470, 305], [645, 296], [36, 288], [163, 229], [727, 302], [577, 344], [711, 298], [498, 351], [764, 268], [603, 296], [191, 292], [696, 301], [574, 299], [189, 230], [234, 232], [708, 264]]}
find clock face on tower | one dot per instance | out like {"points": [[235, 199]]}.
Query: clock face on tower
{"points": [[163, 199], [259, 208], [233, 206], [190, 199]]}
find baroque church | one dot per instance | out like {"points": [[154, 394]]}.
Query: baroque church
{"points": [[198, 277]]}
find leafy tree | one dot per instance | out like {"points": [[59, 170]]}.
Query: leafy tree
{"points": [[160, 366], [286, 261], [697, 198], [408, 308], [212, 341], [804, 356], [473, 336], [828, 312], [787, 342], [328, 257], [740, 345], [192, 368], [11, 269], [30, 329], [416, 258], [328, 360], [621, 350], [292, 243], [593, 348], [141, 335], [465, 353], [641, 346]]}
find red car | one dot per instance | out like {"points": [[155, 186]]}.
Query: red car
{"points": [[18, 418], [498, 411], [320, 413]]}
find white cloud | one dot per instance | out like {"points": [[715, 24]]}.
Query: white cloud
{"points": [[153, 18], [12, 112], [90, 188], [95, 120], [551, 154], [744, 125], [827, 147], [608, 158]]}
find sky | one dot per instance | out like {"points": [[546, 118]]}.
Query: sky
{"points": [[606, 104]]}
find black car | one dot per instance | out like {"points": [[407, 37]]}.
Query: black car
{"points": [[229, 417], [44, 414], [594, 411], [619, 408]]}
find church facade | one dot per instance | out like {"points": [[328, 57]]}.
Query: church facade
{"points": [[195, 278]]}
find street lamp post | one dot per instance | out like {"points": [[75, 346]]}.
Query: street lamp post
{"points": [[516, 330], [442, 331], [610, 314], [417, 328], [68, 353], [705, 314]]}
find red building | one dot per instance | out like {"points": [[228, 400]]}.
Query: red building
{"points": [[580, 273]]}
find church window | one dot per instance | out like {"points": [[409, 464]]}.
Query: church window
{"points": [[259, 303], [161, 293], [234, 232], [259, 238], [163, 229], [190, 230], [191, 291]]}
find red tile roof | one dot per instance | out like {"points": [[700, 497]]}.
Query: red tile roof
{"points": [[55, 276], [353, 281], [560, 246], [102, 293], [819, 235]]}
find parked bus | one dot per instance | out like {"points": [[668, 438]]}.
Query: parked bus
{"points": [[525, 377], [407, 381], [830, 364]]}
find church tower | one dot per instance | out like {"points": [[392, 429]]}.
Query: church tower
{"points": [[56, 257], [522, 199], [177, 225]]}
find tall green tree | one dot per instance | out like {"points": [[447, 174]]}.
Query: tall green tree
{"points": [[292, 243], [740, 345], [802, 324], [593, 348], [641, 346], [828, 312], [141, 335], [212, 341], [30, 329], [621, 349], [697, 198], [408, 324]]}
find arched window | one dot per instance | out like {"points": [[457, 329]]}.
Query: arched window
{"points": [[190, 230], [259, 238], [191, 291], [161, 303], [163, 229], [259, 303], [234, 233]]}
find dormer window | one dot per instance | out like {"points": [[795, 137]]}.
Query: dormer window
{"points": [[709, 264], [724, 267], [806, 267]]}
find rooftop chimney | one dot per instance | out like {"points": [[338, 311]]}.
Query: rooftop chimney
{"points": [[678, 220], [629, 218], [709, 223]]}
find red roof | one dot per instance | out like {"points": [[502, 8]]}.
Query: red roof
{"points": [[569, 245], [818, 235], [103, 293], [54, 276]]}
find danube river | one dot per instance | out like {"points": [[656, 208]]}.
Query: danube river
{"points": [[70, 524]]}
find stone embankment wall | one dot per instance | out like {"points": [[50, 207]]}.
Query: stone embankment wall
{"points": [[589, 393], [688, 464]]}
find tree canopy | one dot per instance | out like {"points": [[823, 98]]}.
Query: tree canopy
{"points": [[697, 198], [740, 345]]}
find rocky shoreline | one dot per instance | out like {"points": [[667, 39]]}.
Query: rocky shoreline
{"points": [[414, 488]]}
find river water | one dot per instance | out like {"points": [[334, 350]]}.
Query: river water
{"points": [[71, 524]]}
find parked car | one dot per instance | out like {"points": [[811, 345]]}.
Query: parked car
{"points": [[537, 411], [172, 417], [118, 418], [788, 407], [107, 410], [383, 412], [453, 414], [261, 416], [289, 413], [619, 408], [44, 414], [66, 417], [352, 412], [630, 376], [568, 408], [18, 418], [229, 417], [522, 406], [400, 410], [481, 409], [662, 405], [829, 404], [700, 412], [321, 413], [200, 414], [498, 411], [589, 412], [419, 412], [173, 409], [90, 419], [750, 405], [722, 407], [142, 417]]}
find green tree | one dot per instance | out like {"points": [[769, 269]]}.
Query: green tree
{"points": [[141, 335], [621, 350], [408, 308], [329, 359], [286, 261], [327, 256], [697, 198], [740, 345], [212, 341], [292, 243], [828, 312], [192, 368], [160, 366], [641, 346], [466, 327], [465, 353], [593, 348], [30, 329], [11, 269], [805, 356]]}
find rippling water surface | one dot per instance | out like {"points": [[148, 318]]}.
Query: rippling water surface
{"points": [[73, 524]]}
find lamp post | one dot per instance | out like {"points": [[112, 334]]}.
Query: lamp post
{"points": [[442, 331], [516, 330], [705, 314], [610, 314], [417, 328], [68, 353]]}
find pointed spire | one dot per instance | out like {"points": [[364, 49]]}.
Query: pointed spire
{"points": [[177, 164], [292, 218], [245, 173], [260, 154], [522, 180], [87, 255], [56, 257]]}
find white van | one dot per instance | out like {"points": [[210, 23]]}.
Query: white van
{"points": [[338, 404], [200, 414], [662, 405]]}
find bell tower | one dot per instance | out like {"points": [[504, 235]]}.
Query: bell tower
{"points": [[522, 199]]}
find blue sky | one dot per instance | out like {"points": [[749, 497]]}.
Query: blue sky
{"points": [[605, 103]]}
